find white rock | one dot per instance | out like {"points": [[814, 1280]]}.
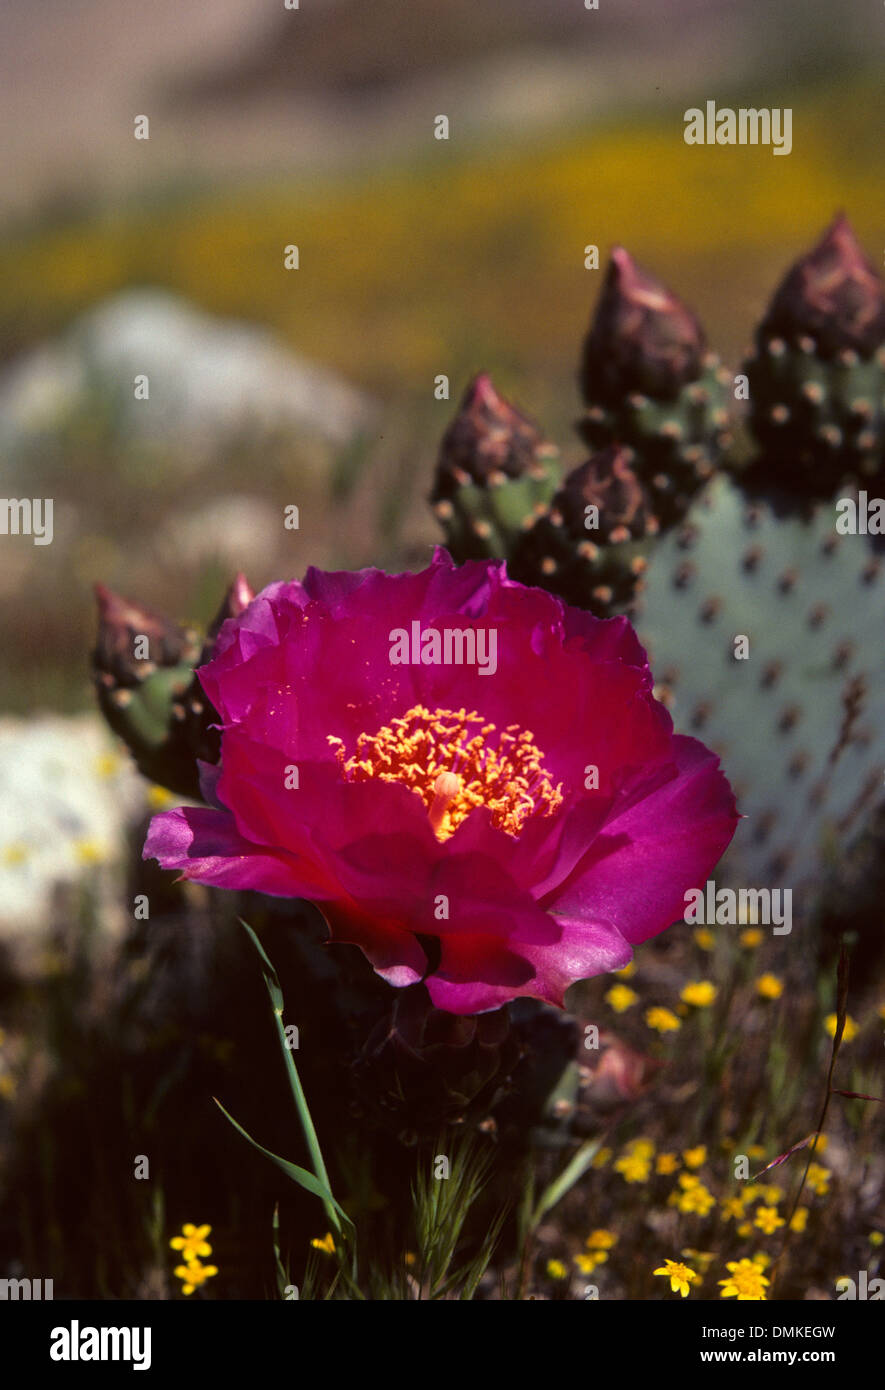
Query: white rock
{"points": [[209, 380], [68, 792], [234, 531]]}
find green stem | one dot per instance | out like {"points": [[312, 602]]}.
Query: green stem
{"points": [[307, 1125]]}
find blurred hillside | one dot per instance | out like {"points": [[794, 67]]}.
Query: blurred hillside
{"points": [[243, 87], [418, 257]]}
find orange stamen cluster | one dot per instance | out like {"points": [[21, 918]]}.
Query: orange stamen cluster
{"points": [[455, 765]]}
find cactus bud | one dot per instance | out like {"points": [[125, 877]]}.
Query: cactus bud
{"points": [[832, 295], [494, 473], [237, 599], [202, 738], [585, 546], [120, 623], [607, 482], [650, 383], [817, 376], [143, 666], [643, 338], [488, 437]]}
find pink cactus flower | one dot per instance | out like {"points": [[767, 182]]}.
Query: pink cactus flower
{"points": [[471, 779]]}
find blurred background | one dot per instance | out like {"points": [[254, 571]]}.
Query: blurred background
{"points": [[315, 127], [270, 127]]}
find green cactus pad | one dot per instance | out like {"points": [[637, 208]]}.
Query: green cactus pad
{"points": [[676, 443], [590, 545], [819, 420], [485, 521], [817, 374], [150, 718], [800, 724]]}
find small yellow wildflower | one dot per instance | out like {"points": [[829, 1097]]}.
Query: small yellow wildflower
{"points": [[733, 1206], [633, 1168], [587, 1263], [327, 1244], [770, 1194], [745, 1229], [628, 971], [693, 1158], [698, 1200], [662, 1020], [851, 1028], [819, 1179], [410, 1259], [680, 1276], [556, 1269], [666, 1164], [768, 986], [704, 938], [621, 997], [641, 1147], [194, 1274], [746, 1283], [768, 1220], [755, 1151], [751, 938], [601, 1240], [699, 993], [821, 1144], [602, 1158], [192, 1242], [876, 1238], [799, 1220], [761, 1259]]}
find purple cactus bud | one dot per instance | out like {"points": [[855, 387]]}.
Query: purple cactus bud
{"points": [[488, 436], [606, 481], [833, 296], [200, 715], [120, 623], [238, 597], [642, 338]]}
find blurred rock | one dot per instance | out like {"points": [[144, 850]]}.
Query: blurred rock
{"points": [[211, 382], [233, 531], [68, 793]]}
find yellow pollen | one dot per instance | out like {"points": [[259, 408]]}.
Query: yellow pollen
{"points": [[455, 765]]}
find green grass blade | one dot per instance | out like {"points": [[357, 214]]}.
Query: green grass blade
{"points": [[567, 1179], [292, 1170], [271, 978]]}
